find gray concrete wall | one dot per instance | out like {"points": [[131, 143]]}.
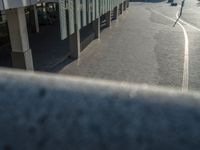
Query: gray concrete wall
{"points": [[15, 3], [49, 112], [1, 5], [8, 4]]}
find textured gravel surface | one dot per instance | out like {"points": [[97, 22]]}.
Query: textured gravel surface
{"points": [[56, 112]]}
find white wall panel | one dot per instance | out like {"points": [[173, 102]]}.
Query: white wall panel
{"points": [[84, 15], [78, 14], [89, 10], [97, 8], [63, 19], [71, 16], [93, 10]]}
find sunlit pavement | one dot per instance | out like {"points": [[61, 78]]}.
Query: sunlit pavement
{"points": [[142, 47], [191, 15]]}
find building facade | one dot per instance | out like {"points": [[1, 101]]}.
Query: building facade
{"points": [[74, 17]]}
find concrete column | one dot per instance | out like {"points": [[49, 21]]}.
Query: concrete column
{"points": [[34, 19], [121, 8], [108, 19], [116, 12], [125, 5], [96, 28], [75, 48], [57, 10], [74, 39], [3, 16], [44, 7], [37, 27], [21, 52]]}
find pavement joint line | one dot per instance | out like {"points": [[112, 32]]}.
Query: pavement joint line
{"points": [[185, 80], [192, 26], [187, 23]]}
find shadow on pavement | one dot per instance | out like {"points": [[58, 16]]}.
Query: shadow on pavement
{"points": [[148, 1], [47, 48]]}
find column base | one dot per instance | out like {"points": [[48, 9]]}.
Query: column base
{"points": [[116, 13], [125, 5], [74, 41], [33, 28], [22, 60], [108, 19], [121, 8], [96, 28]]}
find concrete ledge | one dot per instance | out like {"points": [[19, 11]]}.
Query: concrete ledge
{"points": [[39, 111], [22, 60], [87, 41]]}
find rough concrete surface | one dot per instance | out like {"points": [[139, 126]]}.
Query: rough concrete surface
{"points": [[39, 111]]}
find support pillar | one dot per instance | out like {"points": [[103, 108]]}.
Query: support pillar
{"points": [[3, 16], [57, 10], [96, 28], [34, 19], [37, 27], [21, 52], [44, 7], [116, 12], [121, 8], [74, 39], [108, 19], [75, 48], [125, 5]]}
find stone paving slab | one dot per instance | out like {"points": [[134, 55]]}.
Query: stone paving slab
{"points": [[128, 51]]}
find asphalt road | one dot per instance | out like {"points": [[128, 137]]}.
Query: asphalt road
{"points": [[144, 47]]}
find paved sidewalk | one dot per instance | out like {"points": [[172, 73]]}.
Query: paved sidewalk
{"points": [[131, 50]]}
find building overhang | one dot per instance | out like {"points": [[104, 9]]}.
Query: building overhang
{"points": [[9, 4]]}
